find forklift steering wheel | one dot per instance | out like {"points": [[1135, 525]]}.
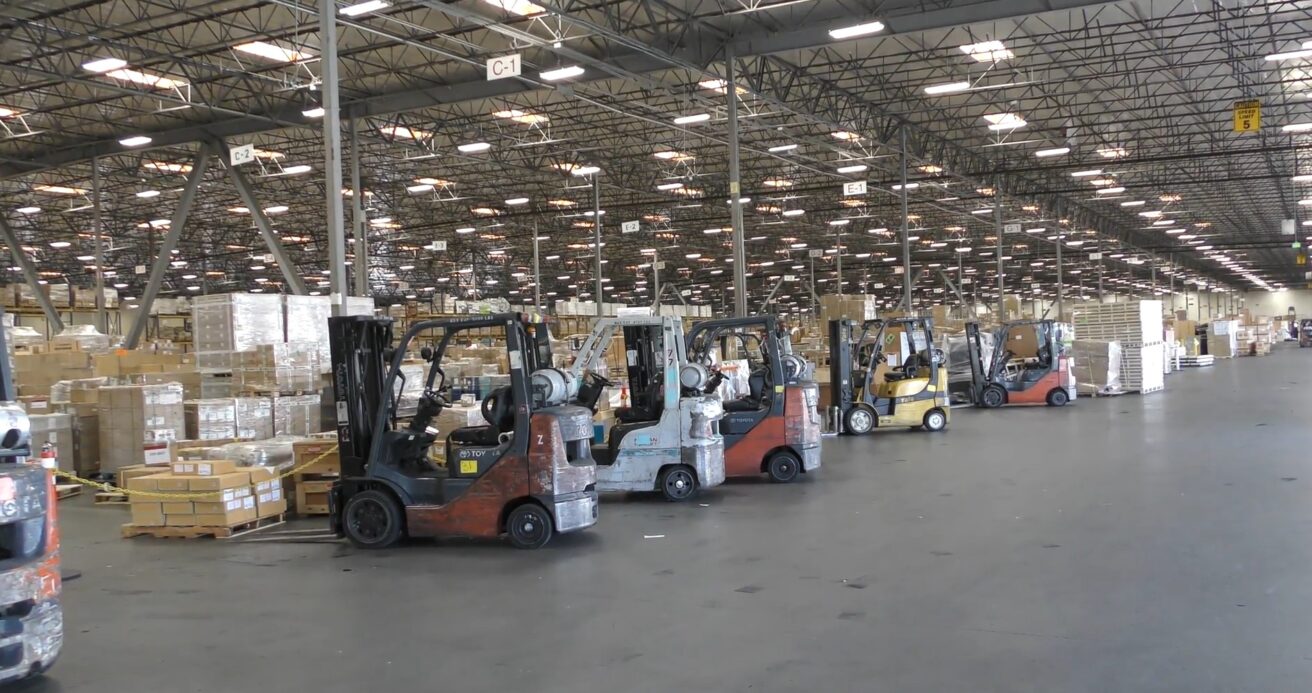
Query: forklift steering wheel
{"points": [[599, 379]]}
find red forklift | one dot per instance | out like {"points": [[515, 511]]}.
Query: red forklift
{"points": [[1029, 366], [31, 617], [774, 427], [527, 473]]}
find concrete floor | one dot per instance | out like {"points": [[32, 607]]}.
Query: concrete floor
{"points": [[1158, 543]]}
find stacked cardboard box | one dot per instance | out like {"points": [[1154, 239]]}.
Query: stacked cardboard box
{"points": [[36, 373], [852, 307], [307, 323], [1097, 366], [85, 297], [280, 367], [211, 419], [223, 324], [1223, 338], [135, 420], [1139, 328], [254, 418], [296, 415], [124, 364], [211, 493], [56, 430]]}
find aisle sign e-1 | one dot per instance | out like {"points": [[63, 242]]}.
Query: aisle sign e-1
{"points": [[1011, 228], [857, 187], [1248, 116], [503, 66]]}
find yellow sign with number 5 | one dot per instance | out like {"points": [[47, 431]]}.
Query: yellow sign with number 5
{"points": [[1248, 116]]}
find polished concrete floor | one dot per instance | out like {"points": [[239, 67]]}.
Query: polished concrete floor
{"points": [[1136, 543]]}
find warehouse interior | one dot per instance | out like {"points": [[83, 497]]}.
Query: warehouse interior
{"points": [[732, 312]]}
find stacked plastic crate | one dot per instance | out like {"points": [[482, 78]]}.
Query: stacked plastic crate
{"points": [[1137, 326]]}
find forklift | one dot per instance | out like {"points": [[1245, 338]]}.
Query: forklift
{"points": [[526, 473], [870, 393], [1030, 366], [774, 427], [666, 439], [31, 616]]}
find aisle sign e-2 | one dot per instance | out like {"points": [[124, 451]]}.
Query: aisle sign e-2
{"points": [[1248, 116]]}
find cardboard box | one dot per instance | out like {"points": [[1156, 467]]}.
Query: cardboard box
{"points": [[204, 467], [180, 520], [169, 483], [324, 450], [271, 502], [218, 482], [178, 508], [147, 514], [138, 481]]}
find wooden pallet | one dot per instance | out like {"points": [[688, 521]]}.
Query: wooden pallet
{"points": [[63, 491], [130, 530], [110, 498], [312, 493]]}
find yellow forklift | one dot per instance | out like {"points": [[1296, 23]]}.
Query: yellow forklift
{"points": [[869, 392]]}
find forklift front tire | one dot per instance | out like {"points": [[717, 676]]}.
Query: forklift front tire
{"points": [[1058, 398], [782, 466], [993, 397], [935, 420], [677, 483], [859, 420], [529, 526], [372, 519]]}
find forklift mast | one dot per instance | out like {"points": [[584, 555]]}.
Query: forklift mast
{"points": [[360, 347], [974, 349], [840, 364]]}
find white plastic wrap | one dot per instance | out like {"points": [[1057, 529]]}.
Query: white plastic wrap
{"points": [[307, 322], [86, 337], [254, 418], [274, 452], [61, 392], [211, 419], [296, 415], [1097, 366], [227, 323]]}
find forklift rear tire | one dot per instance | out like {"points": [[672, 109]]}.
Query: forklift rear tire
{"points": [[935, 420], [372, 520], [1058, 398], [782, 466], [529, 526], [859, 420], [677, 483], [993, 397]]}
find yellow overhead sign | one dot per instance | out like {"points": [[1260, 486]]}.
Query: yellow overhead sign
{"points": [[1248, 116]]}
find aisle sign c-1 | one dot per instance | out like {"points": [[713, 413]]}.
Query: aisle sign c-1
{"points": [[1248, 116]]}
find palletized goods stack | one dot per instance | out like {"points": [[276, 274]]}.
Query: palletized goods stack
{"points": [[1137, 325]]}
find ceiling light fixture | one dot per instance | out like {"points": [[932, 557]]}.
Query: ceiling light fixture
{"points": [[360, 8], [695, 118], [669, 186], [782, 148], [947, 88], [561, 73], [987, 51], [104, 65], [1057, 151], [316, 112], [856, 168], [473, 147], [28, 210], [269, 51], [855, 30], [135, 141], [1083, 174]]}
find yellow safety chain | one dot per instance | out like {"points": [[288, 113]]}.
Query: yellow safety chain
{"points": [[188, 496]]}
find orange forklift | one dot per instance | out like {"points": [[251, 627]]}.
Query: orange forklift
{"points": [[527, 473], [774, 427], [1029, 366]]}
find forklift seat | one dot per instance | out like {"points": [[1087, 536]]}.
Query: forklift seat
{"points": [[618, 433], [482, 436]]}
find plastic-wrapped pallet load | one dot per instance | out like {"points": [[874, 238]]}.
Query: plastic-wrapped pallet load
{"points": [[1097, 367], [254, 418], [296, 415], [80, 338], [1142, 368], [133, 416], [307, 322], [284, 367], [1139, 328], [211, 419], [357, 305], [227, 323], [1222, 338], [274, 452]]}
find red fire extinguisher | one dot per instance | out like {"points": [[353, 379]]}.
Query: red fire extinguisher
{"points": [[49, 456]]}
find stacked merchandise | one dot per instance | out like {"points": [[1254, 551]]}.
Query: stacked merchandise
{"points": [[1223, 339], [289, 367], [138, 422], [206, 494], [211, 419], [1255, 336], [851, 307], [307, 323], [254, 417], [226, 323], [86, 297], [297, 415], [80, 338], [36, 374], [1097, 367], [1137, 326]]}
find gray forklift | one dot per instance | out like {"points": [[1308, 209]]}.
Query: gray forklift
{"points": [[668, 438]]}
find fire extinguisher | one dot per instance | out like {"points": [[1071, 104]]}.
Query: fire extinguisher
{"points": [[624, 395], [49, 456]]}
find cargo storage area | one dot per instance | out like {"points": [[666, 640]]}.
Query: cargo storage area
{"points": [[613, 345]]}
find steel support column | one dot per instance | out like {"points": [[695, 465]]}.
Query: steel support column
{"points": [[332, 155], [906, 225], [98, 229], [247, 194], [997, 229], [838, 259], [596, 235], [1060, 241], [359, 227], [164, 254], [29, 274], [656, 279], [537, 270], [735, 190]]}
